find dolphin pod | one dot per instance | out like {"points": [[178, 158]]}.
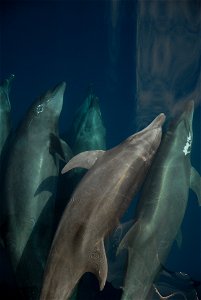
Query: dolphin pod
{"points": [[95, 207], [30, 189], [161, 208]]}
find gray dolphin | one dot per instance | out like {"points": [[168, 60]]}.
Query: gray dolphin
{"points": [[88, 131], [161, 208], [98, 202], [5, 108], [30, 189]]}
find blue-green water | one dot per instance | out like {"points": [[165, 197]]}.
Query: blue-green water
{"points": [[142, 57]]}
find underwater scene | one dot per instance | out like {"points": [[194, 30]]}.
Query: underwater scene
{"points": [[100, 150]]}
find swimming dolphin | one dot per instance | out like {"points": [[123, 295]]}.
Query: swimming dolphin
{"points": [[96, 205], [88, 131], [30, 189], [161, 208], [5, 118]]}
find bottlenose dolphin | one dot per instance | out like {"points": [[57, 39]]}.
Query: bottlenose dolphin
{"points": [[161, 208], [30, 189], [88, 131], [96, 205], [5, 108]]}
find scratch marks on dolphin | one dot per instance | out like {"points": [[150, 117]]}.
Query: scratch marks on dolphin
{"points": [[187, 147], [169, 296]]}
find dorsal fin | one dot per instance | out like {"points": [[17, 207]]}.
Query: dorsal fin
{"points": [[97, 263], [83, 160]]}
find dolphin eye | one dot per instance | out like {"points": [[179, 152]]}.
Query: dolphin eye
{"points": [[39, 109]]}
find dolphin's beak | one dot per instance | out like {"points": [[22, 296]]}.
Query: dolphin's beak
{"points": [[59, 89], [55, 101], [157, 122], [155, 126]]}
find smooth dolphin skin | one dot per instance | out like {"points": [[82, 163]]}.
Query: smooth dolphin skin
{"points": [[88, 131], [5, 108], [94, 210], [30, 188], [161, 208]]}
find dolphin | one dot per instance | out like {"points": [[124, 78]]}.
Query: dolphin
{"points": [[5, 108], [100, 199], [30, 189], [161, 208], [88, 131]]}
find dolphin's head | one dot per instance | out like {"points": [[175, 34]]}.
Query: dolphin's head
{"points": [[82, 111], [4, 93], [148, 140], [181, 128], [93, 119], [89, 132], [141, 146], [47, 108]]}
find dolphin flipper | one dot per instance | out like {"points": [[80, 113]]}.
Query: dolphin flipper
{"points": [[195, 184], [84, 160], [60, 148], [68, 154], [98, 263], [127, 241]]}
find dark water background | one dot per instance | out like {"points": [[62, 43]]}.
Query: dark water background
{"points": [[83, 42]]}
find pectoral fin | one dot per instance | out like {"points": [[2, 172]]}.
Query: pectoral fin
{"points": [[60, 148], [83, 160], [98, 263], [195, 184]]}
